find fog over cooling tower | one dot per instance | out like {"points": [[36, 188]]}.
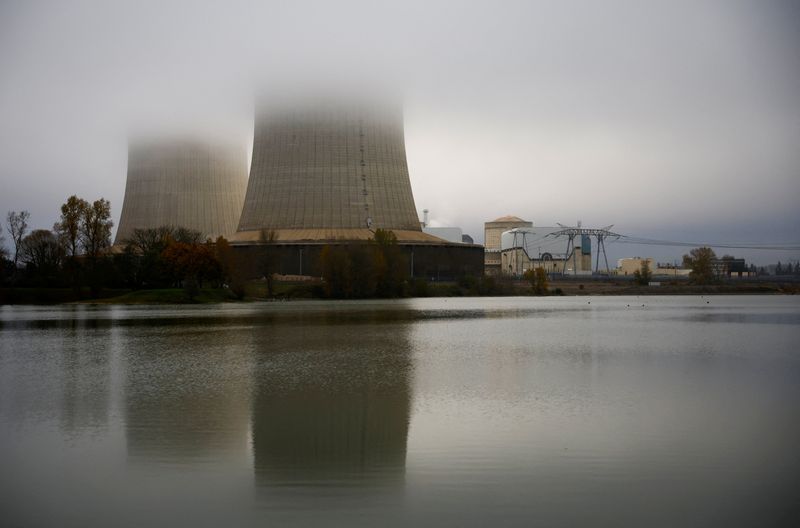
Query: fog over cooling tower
{"points": [[188, 183], [329, 170]]}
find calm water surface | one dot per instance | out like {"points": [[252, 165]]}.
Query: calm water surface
{"points": [[618, 411]]}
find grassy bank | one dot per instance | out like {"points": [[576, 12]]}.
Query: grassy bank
{"points": [[169, 296], [52, 295], [257, 290]]}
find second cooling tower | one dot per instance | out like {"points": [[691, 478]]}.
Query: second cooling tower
{"points": [[189, 183], [338, 170]]}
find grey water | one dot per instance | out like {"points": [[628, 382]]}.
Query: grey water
{"points": [[601, 411]]}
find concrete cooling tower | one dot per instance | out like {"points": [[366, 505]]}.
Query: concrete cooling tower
{"points": [[184, 183], [329, 172]]}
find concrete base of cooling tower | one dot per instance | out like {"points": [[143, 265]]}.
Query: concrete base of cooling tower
{"points": [[426, 256]]}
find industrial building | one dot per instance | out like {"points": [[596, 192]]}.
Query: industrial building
{"points": [[492, 232], [451, 234], [730, 267], [630, 265], [513, 245], [725, 267], [525, 248], [327, 173], [196, 184]]}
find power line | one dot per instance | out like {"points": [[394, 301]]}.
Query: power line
{"points": [[625, 239]]}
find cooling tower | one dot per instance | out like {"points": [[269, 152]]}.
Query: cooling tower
{"points": [[329, 171], [195, 184]]}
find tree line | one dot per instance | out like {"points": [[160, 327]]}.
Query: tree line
{"points": [[77, 253], [375, 269], [706, 268], [784, 269], [66, 255]]}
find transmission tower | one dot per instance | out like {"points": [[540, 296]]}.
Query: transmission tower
{"points": [[571, 232], [520, 241]]}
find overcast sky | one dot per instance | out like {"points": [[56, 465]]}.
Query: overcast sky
{"points": [[670, 120]]}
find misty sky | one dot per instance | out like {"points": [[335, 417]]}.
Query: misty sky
{"points": [[673, 120]]}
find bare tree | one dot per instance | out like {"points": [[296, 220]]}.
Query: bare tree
{"points": [[186, 235], [153, 240], [150, 240], [3, 250], [17, 227], [42, 250]]}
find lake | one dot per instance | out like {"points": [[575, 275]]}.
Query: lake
{"points": [[562, 411]]}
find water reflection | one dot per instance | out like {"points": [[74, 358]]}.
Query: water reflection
{"points": [[331, 404], [525, 412], [187, 393], [85, 352]]}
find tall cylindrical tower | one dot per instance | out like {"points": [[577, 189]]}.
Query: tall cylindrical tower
{"points": [[195, 184], [329, 167]]}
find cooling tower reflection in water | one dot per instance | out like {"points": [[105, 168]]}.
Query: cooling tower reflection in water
{"points": [[322, 399], [331, 410], [186, 392]]}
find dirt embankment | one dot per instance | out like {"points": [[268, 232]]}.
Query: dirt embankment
{"points": [[573, 287]]}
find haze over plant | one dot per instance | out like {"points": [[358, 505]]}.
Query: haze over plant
{"points": [[675, 120]]}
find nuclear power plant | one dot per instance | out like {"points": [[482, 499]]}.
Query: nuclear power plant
{"points": [[324, 171], [189, 183], [333, 172]]}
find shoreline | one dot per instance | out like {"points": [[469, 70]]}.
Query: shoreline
{"points": [[296, 291]]}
